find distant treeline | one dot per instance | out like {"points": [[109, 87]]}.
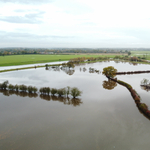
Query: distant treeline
{"points": [[126, 58], [20, 51], [87, 59], [132, 59]]}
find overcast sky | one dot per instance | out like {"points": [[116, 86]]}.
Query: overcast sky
{"points": [[75, 23]]}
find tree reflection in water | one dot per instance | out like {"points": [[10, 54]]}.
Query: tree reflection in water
{"points": [[45, 97], [22, 94], [145, 88], [5, 92], [109, 85], [66, 69], [75, 101], [65, 100], [145, 85]]}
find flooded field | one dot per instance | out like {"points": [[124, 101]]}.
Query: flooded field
{"points": [[104, 118]]}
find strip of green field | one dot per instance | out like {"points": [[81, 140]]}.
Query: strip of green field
{"points": [[1, 71], [140, 52], [12, 60], [145, 54]]}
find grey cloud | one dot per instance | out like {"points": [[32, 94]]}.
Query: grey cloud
{"points": [[142, 34], [73, 7], [35, 15], [21, 10], [12, 39], [9, 35], [27, 1], [139, 33], [19, 19], [32, 18], [27, 10], [89, 23]]}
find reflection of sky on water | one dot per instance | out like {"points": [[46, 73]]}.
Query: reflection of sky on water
{"points": [[106, 119], [42, 78]]}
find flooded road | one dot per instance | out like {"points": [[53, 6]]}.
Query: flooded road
{"points": [[106, 119]]}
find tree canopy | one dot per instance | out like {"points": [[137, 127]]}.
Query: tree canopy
{"points": [[75, 92], [145, 82], [109, 71]]}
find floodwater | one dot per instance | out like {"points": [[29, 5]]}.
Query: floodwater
{"points": [[31, 65], [106, 118]]}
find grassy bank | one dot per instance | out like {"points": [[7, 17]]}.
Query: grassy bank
{"points": [[12, 60], [143, 108], [33, 67], [16, 69]]}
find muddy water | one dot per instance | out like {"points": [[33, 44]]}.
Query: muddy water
{"points": [[105, 120]]}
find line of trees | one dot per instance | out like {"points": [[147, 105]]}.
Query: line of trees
{"points": [[23, 88], [74, 92], [22, 51], [132, 58], [87, 59]]}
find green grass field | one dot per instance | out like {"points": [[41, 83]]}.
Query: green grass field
{"points": [[12, 60], [141, 53]]}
